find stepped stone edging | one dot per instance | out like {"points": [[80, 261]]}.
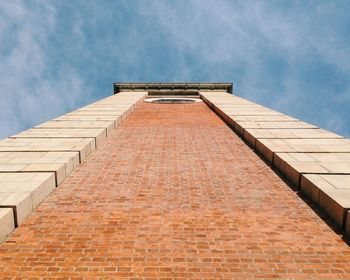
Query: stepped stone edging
{"points": [[315, 160], [34, 162]]}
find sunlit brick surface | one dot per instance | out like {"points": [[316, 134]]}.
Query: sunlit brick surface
{"points": [[173, 193]]}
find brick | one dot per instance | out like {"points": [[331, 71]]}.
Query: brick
{"points": [[172, 193]]}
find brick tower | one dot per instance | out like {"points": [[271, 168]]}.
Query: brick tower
{"points": [[174, 181]]}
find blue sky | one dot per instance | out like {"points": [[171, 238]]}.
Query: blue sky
{"points": [[293, 56]]}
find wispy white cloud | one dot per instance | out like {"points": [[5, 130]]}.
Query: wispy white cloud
{"points": [[29, 94], [272, 50], [293, 56]]}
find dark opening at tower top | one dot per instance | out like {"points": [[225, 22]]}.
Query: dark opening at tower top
{"points": [[175, 100]]}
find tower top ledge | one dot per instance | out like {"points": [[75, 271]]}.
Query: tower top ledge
{"points": [[173, 87]]}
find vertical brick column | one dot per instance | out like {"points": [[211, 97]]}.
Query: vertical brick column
{"points": [[173, 193]]}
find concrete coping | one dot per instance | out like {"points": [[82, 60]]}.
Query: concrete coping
{"points": [[119, 87], [313, 159], [36, 161]]}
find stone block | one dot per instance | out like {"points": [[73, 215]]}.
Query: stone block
{"points": [[58, 169], [293, 169], [38, 185], [309, 185], [21, 203], [78, 124], [330, 192], [304, 145], [97, 134], [115, 119], [281, 118], [84, 146], [274, 125], [249, 138], [235, 113], [239, 129], [23, 192], [335, 203], [62, 163], [5, 167], [226, 118], [291, 133], [265, 150], [96, 113], [347, 224], [7, 224]]}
